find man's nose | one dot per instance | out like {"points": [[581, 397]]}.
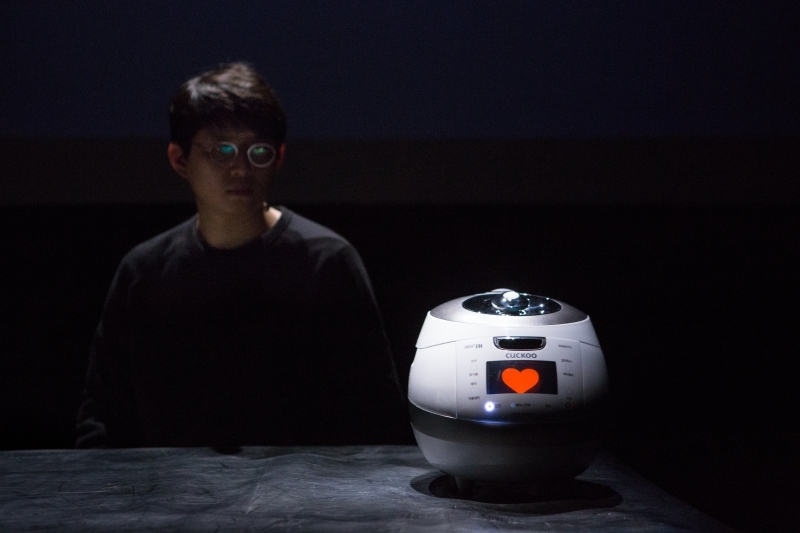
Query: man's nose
{"points": [[240, 163]]}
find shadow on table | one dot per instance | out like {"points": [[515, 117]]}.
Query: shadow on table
{"points": [[574, 495]]}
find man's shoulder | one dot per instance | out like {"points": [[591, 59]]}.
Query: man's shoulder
{"points": [[313, 234], [323, 247], [176, 240]]}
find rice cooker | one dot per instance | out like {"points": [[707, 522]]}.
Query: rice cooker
{"points": [[508, 387]]}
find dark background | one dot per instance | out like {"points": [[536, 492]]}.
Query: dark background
{"points": [[638, 160]]}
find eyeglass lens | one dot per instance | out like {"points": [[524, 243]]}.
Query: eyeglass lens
{"points": [[260, 155]]}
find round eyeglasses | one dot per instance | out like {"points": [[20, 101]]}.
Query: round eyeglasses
{"points": [[260, 155]]}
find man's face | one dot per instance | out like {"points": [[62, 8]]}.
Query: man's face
{"points": [[234, 187]]}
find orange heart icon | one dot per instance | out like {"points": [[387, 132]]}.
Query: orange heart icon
{"points": [[520, 381]]}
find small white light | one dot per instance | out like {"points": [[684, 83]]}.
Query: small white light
{"points": [[511, 295], [489, 406]]}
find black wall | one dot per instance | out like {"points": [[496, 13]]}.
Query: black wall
{"points": [[411, 69], [661, 171]]}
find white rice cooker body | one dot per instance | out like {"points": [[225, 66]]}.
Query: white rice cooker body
{"points": [[508, 388]]}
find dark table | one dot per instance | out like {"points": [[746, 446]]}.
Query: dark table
{"points": [[347, 489]]}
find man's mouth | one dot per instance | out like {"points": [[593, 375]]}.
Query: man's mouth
{"points": [[240, 191]]}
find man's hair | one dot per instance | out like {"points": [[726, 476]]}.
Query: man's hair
{"points": [[233, 94]]}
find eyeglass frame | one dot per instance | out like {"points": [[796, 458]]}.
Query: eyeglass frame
{"points": [[229, 164]]}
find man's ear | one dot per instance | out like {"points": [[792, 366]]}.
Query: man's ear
{"points": [[177, 159], [279, 156]]}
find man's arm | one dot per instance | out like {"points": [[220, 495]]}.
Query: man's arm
{"points": [[372, 393], [107, 414]]}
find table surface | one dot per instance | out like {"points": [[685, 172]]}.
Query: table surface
{"points": [[347, 489]]}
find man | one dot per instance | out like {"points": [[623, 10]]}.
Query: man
{"points": [[247, 324]]}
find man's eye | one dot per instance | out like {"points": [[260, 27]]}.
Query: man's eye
{"points": [[226, 150]]}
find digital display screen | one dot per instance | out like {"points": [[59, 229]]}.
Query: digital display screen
{"points": [[521, 377]]}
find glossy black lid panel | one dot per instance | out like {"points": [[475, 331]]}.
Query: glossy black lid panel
{"points": [[506, 307], [511, 303]]}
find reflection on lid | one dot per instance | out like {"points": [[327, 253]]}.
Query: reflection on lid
{"points": [[511, 303]]}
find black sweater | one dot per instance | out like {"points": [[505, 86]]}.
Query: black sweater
{"points": [[276, 342]]}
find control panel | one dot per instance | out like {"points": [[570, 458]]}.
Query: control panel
{"points": [[517, 378]]}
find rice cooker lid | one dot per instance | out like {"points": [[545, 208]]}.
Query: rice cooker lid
{"points": [[507, 307]]}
